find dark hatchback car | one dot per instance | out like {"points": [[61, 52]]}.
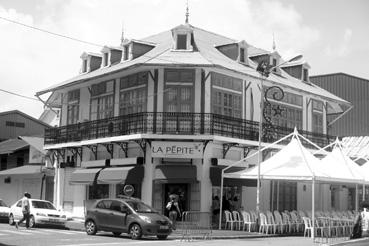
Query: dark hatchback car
{"points": [[126, 215]]}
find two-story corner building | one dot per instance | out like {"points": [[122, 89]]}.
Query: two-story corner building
{"points": [[166, 113]]}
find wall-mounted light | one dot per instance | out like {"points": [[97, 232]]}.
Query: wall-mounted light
{"points": [[304, 187]]}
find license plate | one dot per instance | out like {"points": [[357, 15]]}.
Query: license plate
{"points": [[53, 220], [164, 227]]}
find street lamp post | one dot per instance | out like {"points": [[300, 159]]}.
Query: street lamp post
{"points": [[264, 69]]}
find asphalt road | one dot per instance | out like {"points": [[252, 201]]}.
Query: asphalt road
{"points": [[10, 236]]}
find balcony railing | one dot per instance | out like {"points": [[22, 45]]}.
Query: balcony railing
{"points": [[173, 123]]}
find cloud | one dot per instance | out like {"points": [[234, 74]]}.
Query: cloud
{"points": [[33, 60], [343, 48]]}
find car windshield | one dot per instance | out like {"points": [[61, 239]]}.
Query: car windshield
{"points": [[141, 207], [2, 204], [43, 205]]}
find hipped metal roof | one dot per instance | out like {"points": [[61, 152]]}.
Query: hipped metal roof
{"points": [[206, 56]]}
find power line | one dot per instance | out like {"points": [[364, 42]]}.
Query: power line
{"points": [[49, 32], [19, 95]]}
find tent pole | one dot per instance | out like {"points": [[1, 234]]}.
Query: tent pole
{"points": [[313, 209], [221, 200], [356, 198], [364, 192]]}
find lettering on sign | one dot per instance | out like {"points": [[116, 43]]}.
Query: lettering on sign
{"points": [[163, 149]]}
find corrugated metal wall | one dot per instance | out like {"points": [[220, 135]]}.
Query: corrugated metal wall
{"points": [[30, 127], [354, 90]]}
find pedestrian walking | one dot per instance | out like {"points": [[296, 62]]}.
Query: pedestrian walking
{"points": [[25, 210], [174, 211]]}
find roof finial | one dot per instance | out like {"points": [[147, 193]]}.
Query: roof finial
{"points": [[187, 13], [122, 36], [274, 46]]}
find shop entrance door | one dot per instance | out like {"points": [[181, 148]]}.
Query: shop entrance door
{"points": [[181, 191]]}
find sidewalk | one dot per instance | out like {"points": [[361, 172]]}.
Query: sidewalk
{"points": [[78, 225]]}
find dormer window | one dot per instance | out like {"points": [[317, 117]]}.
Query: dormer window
{"points": [[182, 38], [106, 59], [125, 53], [305, 75], [242, 55], [181, 42], [84, 66]]}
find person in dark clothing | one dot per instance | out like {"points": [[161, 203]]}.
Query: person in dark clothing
{"points": [[174, 211], [225, 204]]}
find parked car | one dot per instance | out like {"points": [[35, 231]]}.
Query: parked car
{"points": [[4, 211], [42, 212], [126, 215]]}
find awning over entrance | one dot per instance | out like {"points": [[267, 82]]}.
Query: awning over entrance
{"points": [[176, 174], [84, 176], [216, 174], [27, 170], [121, 175]]}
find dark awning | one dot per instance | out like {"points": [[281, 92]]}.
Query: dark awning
{"points": [[121, 175], [84, 176], [216, 174], [176, 174]]}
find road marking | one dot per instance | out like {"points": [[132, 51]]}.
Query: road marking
{"points": [[63, 231], [16, 232], [116, 243]]}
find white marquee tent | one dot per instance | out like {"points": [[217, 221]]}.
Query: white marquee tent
{"points": [[292, 162]]}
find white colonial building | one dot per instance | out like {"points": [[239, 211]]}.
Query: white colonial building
{"points": [[166, 113]]}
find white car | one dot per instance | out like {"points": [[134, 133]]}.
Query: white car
{"points": [[42, 212], [4, 211]]}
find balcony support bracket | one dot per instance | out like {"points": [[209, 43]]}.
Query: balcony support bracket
{"points": [[93, 149], [142, 143], [77, 152], [61, 153], [110, 148], [124, 147], [226, 148]]}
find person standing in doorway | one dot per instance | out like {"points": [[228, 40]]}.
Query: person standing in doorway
{"points": [[174, 211], [25, 210]]}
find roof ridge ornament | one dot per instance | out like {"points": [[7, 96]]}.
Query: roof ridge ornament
{"points": [[274, 46], [187, 13]]}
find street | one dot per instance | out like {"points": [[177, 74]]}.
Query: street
{"points": [[52, 236]]}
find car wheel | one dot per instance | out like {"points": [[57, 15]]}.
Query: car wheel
{"points": [[32, 222], [90, 227], [116, 233], [11, 219], [162, 237], [135, 231]]}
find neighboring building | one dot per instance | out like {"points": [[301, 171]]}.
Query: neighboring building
{"points": [[16, 123], [22, 159], [22, 168], [166, 113], [354, 90]]}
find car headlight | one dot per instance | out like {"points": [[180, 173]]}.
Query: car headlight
{"points": [[145, 218], [41, 214]]}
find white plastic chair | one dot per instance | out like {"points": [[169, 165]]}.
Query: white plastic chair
{"points": [[247, 221], [228, 219], [237, 219]]}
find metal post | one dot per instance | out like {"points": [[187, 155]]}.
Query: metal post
{"points": [[259, 147], [221, 200], [313, 209]]}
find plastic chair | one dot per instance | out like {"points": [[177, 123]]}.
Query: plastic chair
{"points": [[229, 220], [308, 226], [237, 219], [247, 221]]}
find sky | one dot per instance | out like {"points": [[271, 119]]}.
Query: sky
{"points": [[332, 35]]}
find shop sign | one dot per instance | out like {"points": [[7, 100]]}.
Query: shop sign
{"points": [[161, 149], [128, 190]]}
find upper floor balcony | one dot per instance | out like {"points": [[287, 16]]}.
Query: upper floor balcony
{"points": [[174, 124]]}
